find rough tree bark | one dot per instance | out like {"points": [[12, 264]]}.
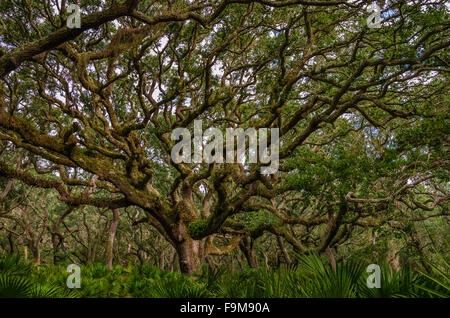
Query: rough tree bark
{"points": [[191, 253], [283, 250], [56, 236], [247, 249]]}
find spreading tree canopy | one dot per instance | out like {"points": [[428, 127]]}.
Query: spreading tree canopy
{"points": [[362, 113]]}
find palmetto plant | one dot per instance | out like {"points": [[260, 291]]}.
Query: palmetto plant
{"points": [[178, 287], [313, 276], [12, 286], [96, 270], [394, 284], [212, 278], [14, 264], [319, 279], [278, 283], [436, 283], [53, 291], [15, 287]]}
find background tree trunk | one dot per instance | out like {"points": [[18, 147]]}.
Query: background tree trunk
{"points": [[285, 254], [247, 249], [111, 236]]}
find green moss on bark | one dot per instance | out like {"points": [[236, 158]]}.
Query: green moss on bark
{"points": [[197, 228]]}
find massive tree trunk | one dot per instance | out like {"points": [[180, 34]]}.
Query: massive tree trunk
{"points": [[191, 253], [190, 256]]}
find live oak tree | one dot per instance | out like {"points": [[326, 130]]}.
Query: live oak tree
{"points": [[362, 114]]}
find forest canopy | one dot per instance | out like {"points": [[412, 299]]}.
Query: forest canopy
{"points": [[87, 114]]}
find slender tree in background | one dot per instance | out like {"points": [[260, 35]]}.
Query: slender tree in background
{"points": [[362, 114]]}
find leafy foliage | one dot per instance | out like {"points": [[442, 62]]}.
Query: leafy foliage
{"points": [[312, 277]]}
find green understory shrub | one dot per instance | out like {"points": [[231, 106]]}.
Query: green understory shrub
{"points": [[313, 276]]}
